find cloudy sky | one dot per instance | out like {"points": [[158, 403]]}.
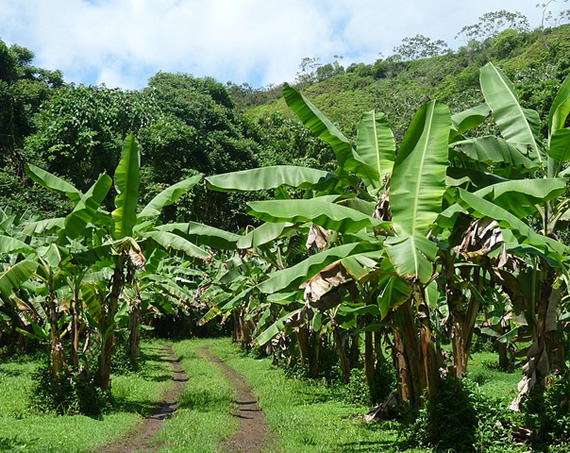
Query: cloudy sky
{"points": [[123, 42]]}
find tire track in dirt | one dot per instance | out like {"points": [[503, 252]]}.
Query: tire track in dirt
{"points": [[140, 439], [253, 432]]}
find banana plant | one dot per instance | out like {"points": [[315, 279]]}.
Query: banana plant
{"points": [[369, 177], [537, 192], [89, 234]]}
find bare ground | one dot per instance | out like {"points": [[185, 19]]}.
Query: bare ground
{"points": [[141, 438], [253, 432]]}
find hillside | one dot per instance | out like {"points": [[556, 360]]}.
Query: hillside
{"points": [[535, 61]]}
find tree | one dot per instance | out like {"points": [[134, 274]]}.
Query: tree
{"points": [[420, 46], [491, 23]]}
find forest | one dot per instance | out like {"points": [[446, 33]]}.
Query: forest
{"points": [[386, 244]]}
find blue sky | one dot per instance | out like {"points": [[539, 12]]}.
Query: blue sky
{"points": [[123, 42]]}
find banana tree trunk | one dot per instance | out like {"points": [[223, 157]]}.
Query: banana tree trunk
{"points": [[133, 345], [103, 376], [303, 343], [543, 355], [56, 347], [340, 344], [419, 370]]}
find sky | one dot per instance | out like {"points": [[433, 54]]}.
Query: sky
{"points": [[121, 43]]}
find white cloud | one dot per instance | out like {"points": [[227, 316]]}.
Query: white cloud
{"points": [[123, 42]]}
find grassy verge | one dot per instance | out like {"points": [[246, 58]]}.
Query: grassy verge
{"points": [[23, 429], [303, 415], [203, 418]]}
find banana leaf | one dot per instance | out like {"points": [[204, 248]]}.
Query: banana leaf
{"points": [[418, 178], [169, 196], [519, 126], [127, 181]]}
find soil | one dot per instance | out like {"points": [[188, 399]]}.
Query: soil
{"points": [[141, 438], [253, 432]]}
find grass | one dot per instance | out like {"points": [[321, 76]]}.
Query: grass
{"points": [[482, 368], [23, 429], [302, 414], [203, 420]]}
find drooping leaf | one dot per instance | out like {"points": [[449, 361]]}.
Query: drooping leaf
{"points": [[518, 125], [267, 178], [321, 126], [43, 226], [201, 234], [86, 208], [127, 180], [376, 147], [169, 196], [521, 196], [274, 328], [560, 147], [263, 234], [393, 290], [12, 245], [522, 231], [468, 119], [52, 182], [328, 215], [14, 276], [418, 178], [173, 241], [492, 150], [293, 276]]}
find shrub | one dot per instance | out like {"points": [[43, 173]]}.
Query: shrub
{"points": [[76, 393], [547, 414]]}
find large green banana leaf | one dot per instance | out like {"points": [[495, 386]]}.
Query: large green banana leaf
{"points": [[12, 245], [86, 208], [264, 234], [321, 126], [328, 215], [40, 227], [493, 150], [173, 241], [15, 275], [169, 196], [267, 178], [376, 146], [520, 196], [560, 108], [457, 176], [418, 178], [518, 125], [461, 122], [127, 180], [412, 256], [560, 147], [293, 276], [393, 290], [52, 182], [274, 328], [201, 234]]}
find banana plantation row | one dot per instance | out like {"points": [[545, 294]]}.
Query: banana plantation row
{"points": [[462, 227]]}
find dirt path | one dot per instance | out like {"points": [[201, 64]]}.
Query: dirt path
{"points": [[253, 432], [140, 439]]}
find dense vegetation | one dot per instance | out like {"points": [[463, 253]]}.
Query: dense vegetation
{"points": [[383, 247]]}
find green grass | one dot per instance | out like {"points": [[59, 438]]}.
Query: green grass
{"points": [[203, 420], [23, 429], [302, 414], [492, 382]]}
